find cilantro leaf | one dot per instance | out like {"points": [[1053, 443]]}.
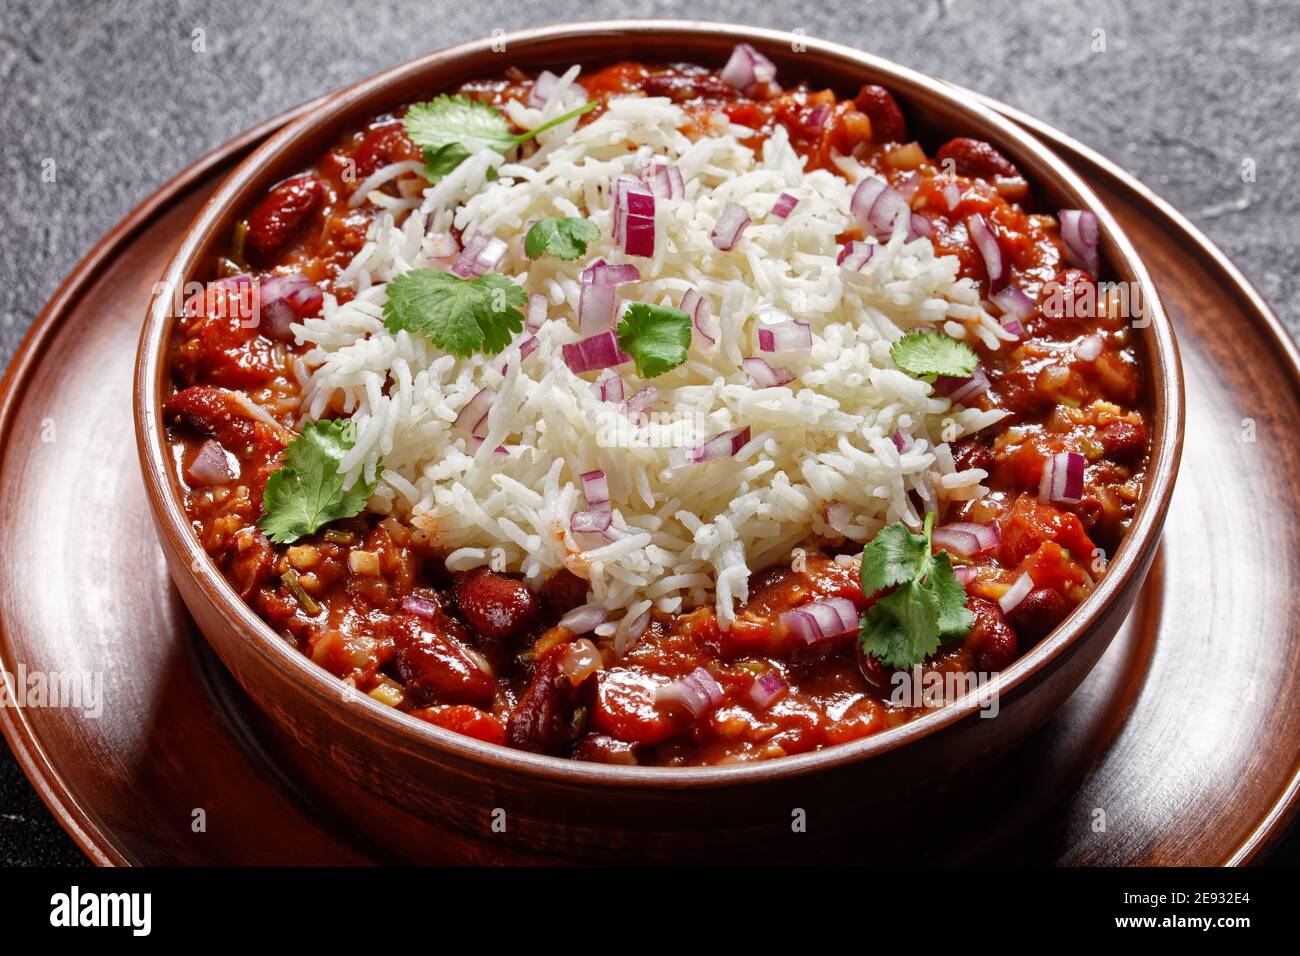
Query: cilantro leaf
{"points": [[460, 316], [564, 238], [441, 127], [656, 336], [928, 606], [927, 354], [306, 492]]}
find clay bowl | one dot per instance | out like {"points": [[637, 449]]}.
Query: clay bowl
{"points": [[417, 789]]}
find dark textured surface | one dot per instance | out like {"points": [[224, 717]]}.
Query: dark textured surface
{"points": [[115, 99]]}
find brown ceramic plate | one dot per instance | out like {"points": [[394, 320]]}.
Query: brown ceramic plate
{"points": [[600, 811], [1163, 737]]}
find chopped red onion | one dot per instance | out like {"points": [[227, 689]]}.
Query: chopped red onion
{"points": [[821, 620], [583, 620], [1016, 593], [1013, 301], [878, 205], [966, 538], [787, 336], [476, 443], [579, 660], [421, 606], [816, 119], [595, 352], [536, 314], [609, 388], [634, 216], [596, 299], [907, 185], [527, 346], [768, 686], [698, 692], [899, 441], [952, 195], [441, 246], [697, 307], [960, 389], [725, 445], [212, 466], [1090, 348], [1062, 479], [855, 255], [919, 227], [964, 573], [986, 243], [764, 375], [746, 67], [635, 406], [729, 227], [595, 486], [1081, 233], [472, 419], [665, 181], [282, 300], [784, 205], [481, 255], [542, 88], [1014, 328], [592, 521]]}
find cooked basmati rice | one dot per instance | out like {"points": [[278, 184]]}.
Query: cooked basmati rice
{"points": [[685, 536]]}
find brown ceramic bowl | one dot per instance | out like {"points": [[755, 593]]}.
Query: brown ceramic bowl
{"points": [[417, 789]]}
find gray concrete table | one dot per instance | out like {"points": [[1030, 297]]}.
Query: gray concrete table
{"points": [[117, 96]]}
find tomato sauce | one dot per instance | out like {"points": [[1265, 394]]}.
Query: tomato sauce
{"points": [[480, 654]]}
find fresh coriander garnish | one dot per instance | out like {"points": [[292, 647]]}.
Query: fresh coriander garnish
{"points": [[927, 607], [656, 336], [563, 238], [460, 316], [307, 491], [928, 354], [442, 126]]}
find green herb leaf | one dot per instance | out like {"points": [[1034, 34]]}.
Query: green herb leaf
{"points": [[460, 316], [442, 127], [307, 492], [563, 238], [928, 606], [656, 336], [927, 354]]}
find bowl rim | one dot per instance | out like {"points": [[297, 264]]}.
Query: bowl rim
{"points": [[1133, 554]]}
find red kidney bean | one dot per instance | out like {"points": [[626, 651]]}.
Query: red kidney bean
{"points": [[494, 605], [991, 636], [975, 158], [280, 218], [383, 145], [680, 88], [971, 453], [543, 720], [887, 123], [599, 748], [1122, 440], [1040, 611], [562, 592], [432, 659], [875, 673]]}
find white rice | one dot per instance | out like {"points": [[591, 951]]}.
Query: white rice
{"points": [[683, 536]]}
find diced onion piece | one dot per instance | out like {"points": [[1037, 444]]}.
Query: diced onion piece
{"points": [[1016, 593], [542, 88], [282, 300], [855, 255], [1090, 348], [787, 336], [725, 445], [1014, 328], [420, 606], [906, 186], [878, 206], [966, 538], [821, 620], [583, 620], [474, 415], [964, 573], [952, 195], [919, 227], [698, 692], [961, 389], [1081, 233], [665, 180], [212, 466], [480, 256], [764, 375], [595, 352], [596, 298], [1013, 301], [746, 67], [634, 216], [590, 522], [635, 406], [609, 388], [986, 244], [1062, 479], [727, 231], [697, 307], [579, 660], [784, 205], [527, 346], [536, 314], [900, 442], [767, 687], [595, 486]]}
